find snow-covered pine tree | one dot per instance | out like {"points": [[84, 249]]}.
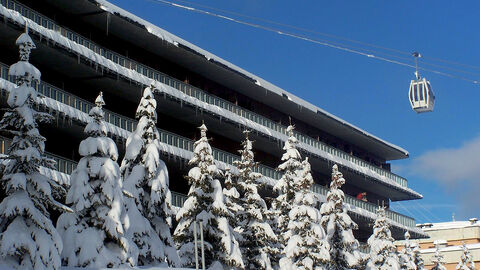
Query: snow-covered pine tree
{"points": [[383, 253], [28, 239], [149, 211], [437, 259], [306, 247], [206, 204], [93, 236], [466, 260], [232, 201], [282, 204], [419, 263], [257, 239], [338, 225], [407, 255]]}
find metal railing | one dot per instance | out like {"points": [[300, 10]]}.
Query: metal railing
{"points": [[130, 124], [193, 91], [62, 164], [178, 199], [67, 166]]}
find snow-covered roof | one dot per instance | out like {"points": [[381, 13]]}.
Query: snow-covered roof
{"points": [[448, 225], [211, 58]]}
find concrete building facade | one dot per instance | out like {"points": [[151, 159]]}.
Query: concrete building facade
{"points": [[450, 236], [87, 46]]}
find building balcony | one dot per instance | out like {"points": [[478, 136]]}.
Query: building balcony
{"points": [[268, 127], [172, 142], [354, 206]]}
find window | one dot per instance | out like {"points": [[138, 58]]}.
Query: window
{"points": [[416, 92], [422, 89]]}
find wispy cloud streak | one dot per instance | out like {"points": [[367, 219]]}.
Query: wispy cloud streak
{"points": [[457, 169]]}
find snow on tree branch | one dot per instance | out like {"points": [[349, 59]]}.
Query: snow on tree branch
{"points": [[28, 239], [93, 236], [148, 218], [383, 253], [338, 225], [206, 204]]}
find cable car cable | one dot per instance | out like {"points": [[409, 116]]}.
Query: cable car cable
{"points": [[293, 27], [398, 203], [431, 214], [308, 39], [427, 58]]}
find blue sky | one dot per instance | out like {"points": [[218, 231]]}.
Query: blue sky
{"points": [[444, 146]]}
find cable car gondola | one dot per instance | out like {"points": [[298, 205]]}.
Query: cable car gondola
{"points": [[420, 94]]}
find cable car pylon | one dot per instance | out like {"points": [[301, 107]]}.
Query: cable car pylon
{"points": [[420, 94]]}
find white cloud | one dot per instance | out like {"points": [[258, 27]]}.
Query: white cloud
{"points": [[458, 169]]}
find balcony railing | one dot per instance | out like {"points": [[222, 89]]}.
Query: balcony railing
{"points": [[67, 166], [193, 91], [130, 124], [62, 164], [178, 199]]}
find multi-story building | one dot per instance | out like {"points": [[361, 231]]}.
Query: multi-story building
{"points": [[84, 46], [450, 236]]}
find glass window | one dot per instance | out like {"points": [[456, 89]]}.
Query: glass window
{"points": [[415, 92], [422, 90]]}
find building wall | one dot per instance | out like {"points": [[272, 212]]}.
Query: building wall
{"points": [[450, 236], [451, 255], [71, 73], [131, 50]]}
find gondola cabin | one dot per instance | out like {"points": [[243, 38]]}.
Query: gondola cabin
{"points": [[421, 96]]}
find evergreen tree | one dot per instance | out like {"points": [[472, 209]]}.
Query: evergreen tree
{"points": [[419, 263], [438, 262], [466, 260], [281, 205], [258, 238], [337, 223], [306, 247], [148, 219], [206, 205], [232, 202], [383, 253], [28, 239], [407, 255], [93, 236]]}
